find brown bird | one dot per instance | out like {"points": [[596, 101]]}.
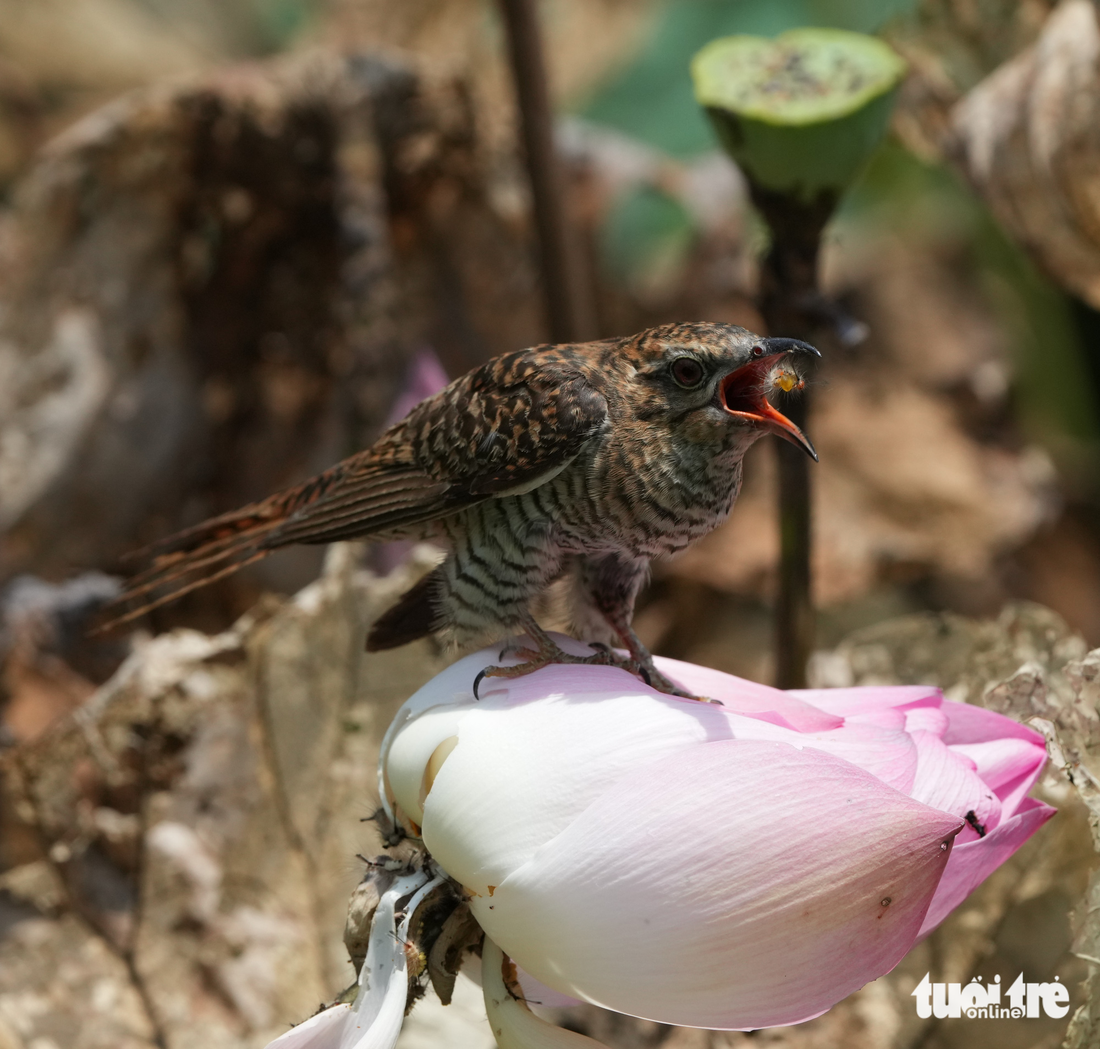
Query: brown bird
{"points": [[578, 460]]}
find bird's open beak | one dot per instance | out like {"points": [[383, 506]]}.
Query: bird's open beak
{"points": [[744, 392]]}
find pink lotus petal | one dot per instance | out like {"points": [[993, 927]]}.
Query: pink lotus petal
{"points": [[947, 780], [888, 754], [670, 920], [1014, 794], [926, 719], [866, 699], [971, 862], [1009, 766], [740, 696], [970, 724], [892, 718]]}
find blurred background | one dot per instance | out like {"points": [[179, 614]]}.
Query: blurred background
{"points": [[238, 238]]}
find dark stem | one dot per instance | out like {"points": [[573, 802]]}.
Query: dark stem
{"points": [[569, 310], [788, 300]]}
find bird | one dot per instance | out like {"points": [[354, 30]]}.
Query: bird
{"points": [[575, 461]]}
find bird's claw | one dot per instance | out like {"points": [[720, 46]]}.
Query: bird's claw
{"points": [[544, 656], [602, 656], [539, 661], [655, 679]]}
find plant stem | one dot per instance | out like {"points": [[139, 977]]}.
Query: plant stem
{"points": [[789, 298], [568, 307]]}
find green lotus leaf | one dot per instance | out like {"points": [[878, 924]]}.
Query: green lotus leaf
{"points": [[800, 113]]}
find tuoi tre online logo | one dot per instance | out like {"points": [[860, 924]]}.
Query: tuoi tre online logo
{"points": [[984, 1001]]}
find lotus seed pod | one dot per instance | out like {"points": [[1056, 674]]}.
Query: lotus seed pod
{"points": [[800, 113]]}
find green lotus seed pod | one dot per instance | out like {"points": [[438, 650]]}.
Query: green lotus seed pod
{"points": [[800, 113]]}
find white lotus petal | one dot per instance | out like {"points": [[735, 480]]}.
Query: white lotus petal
{"points": [[537, 993], [534, 991], [325, 1030], [411, 749], [527, 763], [662, 916], [452, 685], [514, 1025], [379, 1009], [374, 1021], [455, 685]]}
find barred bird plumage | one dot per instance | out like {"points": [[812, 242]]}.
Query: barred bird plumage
{"points": [[580, 460]]}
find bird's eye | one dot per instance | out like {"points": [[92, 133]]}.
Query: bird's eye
{"points": [[687, 371], [758, 351]]}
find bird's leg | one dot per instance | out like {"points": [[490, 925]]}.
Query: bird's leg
{"points": [[546, 652], [643, 658], [606, 588], [514, 645], [543, 654]]}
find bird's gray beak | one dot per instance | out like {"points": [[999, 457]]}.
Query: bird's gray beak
{"points": [[744, 392]]}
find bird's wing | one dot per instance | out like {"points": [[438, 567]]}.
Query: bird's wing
{"points": [[506, 426]]}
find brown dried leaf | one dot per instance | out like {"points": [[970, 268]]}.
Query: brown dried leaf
{"points": [[1029, 139]]}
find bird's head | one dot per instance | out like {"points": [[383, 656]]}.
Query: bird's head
{"points": [[706, 377]]}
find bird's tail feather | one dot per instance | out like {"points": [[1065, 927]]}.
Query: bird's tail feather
{"points": [[208, 552], [415, 615], [170, 576]]}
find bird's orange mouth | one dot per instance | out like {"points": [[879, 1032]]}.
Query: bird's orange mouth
{"points": [[744, 393]]}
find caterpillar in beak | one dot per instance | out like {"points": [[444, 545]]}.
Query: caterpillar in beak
{"points": [[784, 377]]}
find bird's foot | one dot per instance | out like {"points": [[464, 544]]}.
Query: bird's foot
{"points": [[649, 673], [515, 645], [547, 653]]}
